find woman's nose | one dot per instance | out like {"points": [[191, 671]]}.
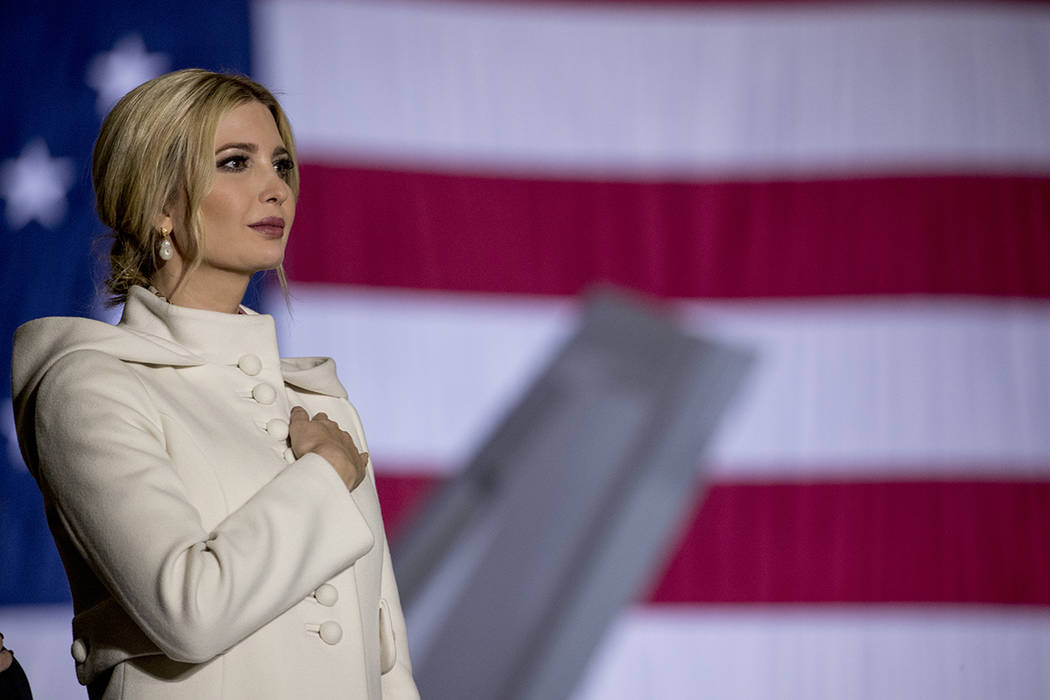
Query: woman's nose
{"points": [[275, 188]]}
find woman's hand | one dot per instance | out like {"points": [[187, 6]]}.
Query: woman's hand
{"points": [[323, 436]]}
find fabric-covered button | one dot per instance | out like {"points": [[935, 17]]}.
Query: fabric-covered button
{"points": [[79, 651], [250, 364], [331, 632], [277, 428], [326, 594], [264, 394], [289, 456]]}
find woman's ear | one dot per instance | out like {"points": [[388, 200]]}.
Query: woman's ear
{"points": [[163, 221]]}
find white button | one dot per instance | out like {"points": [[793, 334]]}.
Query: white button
{"points": [[79, 651], [250, 365], [331, 632], [277, 428], [326, 595], [289, 456], [264, 394]]}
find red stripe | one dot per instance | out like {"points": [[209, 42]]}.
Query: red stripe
{"points": [[982, 235], [857, 542], [400, 498]]}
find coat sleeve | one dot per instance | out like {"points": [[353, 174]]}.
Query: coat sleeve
{"points": [[194, 592]]}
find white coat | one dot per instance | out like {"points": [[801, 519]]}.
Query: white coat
{"points": [[205, 561]]}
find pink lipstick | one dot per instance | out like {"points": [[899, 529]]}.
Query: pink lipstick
{"points": [[271, 226]]}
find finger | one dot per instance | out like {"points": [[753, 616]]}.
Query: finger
{"points": [[321, 416], [299, 413]]}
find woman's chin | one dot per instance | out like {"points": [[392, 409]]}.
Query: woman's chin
{"points": [[269, 261]]}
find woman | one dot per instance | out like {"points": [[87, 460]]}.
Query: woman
{"points": [[213, 504]]}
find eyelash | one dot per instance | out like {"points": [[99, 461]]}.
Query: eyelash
{"points": [[235, 164]]}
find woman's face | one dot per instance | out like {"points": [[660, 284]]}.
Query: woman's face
{"points": [[249, 210]]}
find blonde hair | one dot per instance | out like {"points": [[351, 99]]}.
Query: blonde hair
{"points": [[154, 153]]}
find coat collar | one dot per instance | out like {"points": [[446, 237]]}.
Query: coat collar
{"points": [[220, 338], [152, 331], [210, 337]]}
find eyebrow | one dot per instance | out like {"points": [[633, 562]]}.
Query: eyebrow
{"points": [[250, 148]]}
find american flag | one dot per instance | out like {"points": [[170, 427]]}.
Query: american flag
{"points": [[857, 191]]}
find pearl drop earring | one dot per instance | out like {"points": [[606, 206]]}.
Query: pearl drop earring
{"points": [[166, 250]]}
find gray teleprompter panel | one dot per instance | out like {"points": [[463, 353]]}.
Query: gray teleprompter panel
{"points": [[513, 571]]}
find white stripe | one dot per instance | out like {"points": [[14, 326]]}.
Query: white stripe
{"points": [[842, 388], [743, 653], [642, 90], [910, 653]]}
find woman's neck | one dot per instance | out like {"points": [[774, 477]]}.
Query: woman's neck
{"points": [[207, 289]]}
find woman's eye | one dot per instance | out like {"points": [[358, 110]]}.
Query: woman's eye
{"points": [[233, 163], [284, 167]]}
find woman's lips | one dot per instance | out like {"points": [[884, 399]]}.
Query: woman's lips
{"points": [[271, 227]]}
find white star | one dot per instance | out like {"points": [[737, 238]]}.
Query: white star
{"points": [[35, 185], [112, 74]]}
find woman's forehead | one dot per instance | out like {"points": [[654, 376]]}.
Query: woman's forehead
{"points": [[248, 123]]}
